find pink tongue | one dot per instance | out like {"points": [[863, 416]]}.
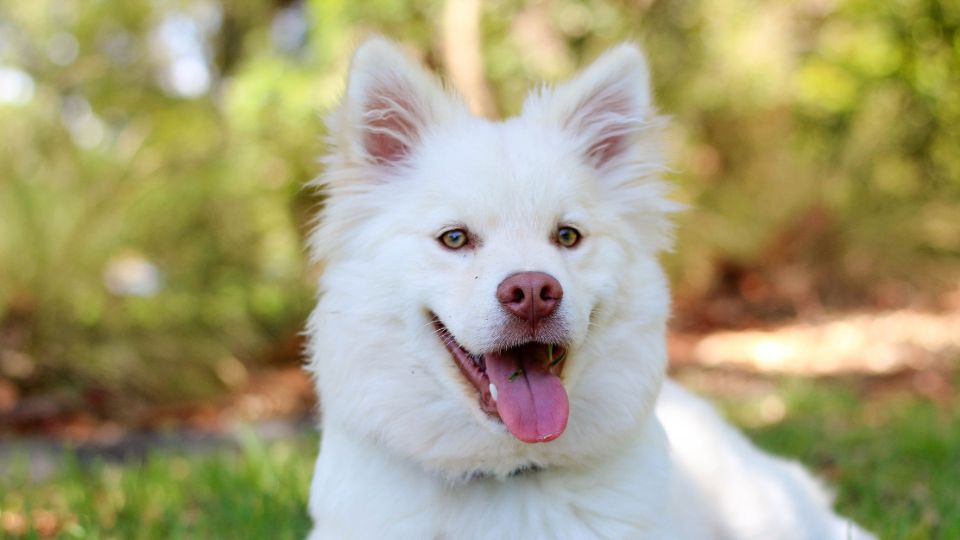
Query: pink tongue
{"points": [[531, 401]]}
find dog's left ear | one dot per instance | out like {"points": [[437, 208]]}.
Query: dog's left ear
{"points": [[604, 108]]}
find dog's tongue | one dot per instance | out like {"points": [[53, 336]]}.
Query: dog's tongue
{"points": [[531, 401]]}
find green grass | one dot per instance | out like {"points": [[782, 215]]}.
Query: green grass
{"points": [[258, 492], [894, 460]]}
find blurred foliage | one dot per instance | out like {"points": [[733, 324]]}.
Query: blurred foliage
{"points": [[154, 151]]}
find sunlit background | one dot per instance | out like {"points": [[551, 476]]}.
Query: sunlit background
{"points": [[154, 153]]}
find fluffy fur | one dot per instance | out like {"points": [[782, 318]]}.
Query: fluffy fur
{"points": [[406, 451]]}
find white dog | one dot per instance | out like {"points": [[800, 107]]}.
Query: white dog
{"points": [[489, 343]]}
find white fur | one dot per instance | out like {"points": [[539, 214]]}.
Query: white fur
{"points": [[406, 451]]}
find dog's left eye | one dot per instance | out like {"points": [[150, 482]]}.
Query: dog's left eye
{"points": [[454, 239], [568, 237]]}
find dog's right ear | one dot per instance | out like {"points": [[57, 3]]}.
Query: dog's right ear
{"points": [[390, 104]]}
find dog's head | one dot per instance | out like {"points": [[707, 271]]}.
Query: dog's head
{"points": [[489, 285]]}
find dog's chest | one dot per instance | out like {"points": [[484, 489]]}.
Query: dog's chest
{"points": [[548, 506], [361, 492]]}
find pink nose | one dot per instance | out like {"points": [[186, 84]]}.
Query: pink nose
{"points": [[531, 296]]}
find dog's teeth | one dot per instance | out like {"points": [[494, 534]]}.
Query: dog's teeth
{"points": [[493, 391]]}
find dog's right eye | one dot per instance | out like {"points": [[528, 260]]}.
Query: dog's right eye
{"points": [[454, 239]]}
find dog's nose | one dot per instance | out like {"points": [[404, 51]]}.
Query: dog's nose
{"points": [[530, 296]]}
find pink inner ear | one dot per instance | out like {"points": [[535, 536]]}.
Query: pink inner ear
{"points": [[390, 126], [606, 149], [607, 115]]}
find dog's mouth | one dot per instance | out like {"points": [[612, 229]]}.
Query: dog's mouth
{"points": [[520, 385]]}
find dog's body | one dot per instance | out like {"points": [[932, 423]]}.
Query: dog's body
{"points": [[489, 344]]}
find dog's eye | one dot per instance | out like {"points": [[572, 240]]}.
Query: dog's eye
{"points": [[568, 237], [454, 239]]}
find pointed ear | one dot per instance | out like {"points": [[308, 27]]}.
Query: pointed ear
{"points": [[604, 108], [390, 104]]}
